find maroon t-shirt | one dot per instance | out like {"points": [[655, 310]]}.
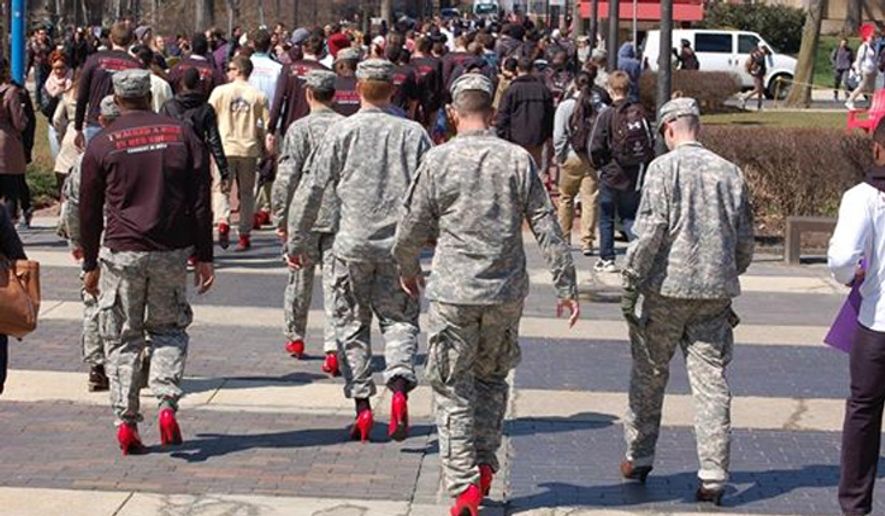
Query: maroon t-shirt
{"points": [[451, 61], [149, 174], [289, 103], [347, 100], [96, 82], [406, 83], [210, 77]]}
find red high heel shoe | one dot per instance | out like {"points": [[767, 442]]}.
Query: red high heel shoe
{"points": [[330, 365], [295, 348], [398, 429], [130, 441], [169, 431], [362, 426], [486, 474], [467, 504]]}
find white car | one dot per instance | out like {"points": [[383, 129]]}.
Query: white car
{"points": [[725, 51]]}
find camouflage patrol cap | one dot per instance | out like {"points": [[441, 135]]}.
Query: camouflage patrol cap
{"points": [[471, 82], [375, 70], [108, 108], [320, 80], [678, 108], [133, 83], [349, 53]]}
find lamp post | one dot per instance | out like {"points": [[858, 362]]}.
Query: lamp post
{"points": [[613, 24], [17, 47]]}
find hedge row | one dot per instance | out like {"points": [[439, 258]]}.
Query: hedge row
{"points": [[710, 89], [792, 171]]}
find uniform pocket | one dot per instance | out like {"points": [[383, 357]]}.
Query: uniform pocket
{"points": [[185, 312], [110, 314]]}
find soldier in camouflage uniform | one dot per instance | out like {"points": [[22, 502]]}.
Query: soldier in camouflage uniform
{"points": [[302, 139], [694, 238], [149, 175], [93, 353], [472, 196], [369, 158]]}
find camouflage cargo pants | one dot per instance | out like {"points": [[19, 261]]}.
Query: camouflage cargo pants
{"points": [[299, 291], [361, 289], [470, 351], [143, 295], [703, 330], [93, 351]]}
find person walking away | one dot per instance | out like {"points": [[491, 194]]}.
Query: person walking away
{"points": [[686, 56], [370, 158], [841, 60], [90, 339], [62, 122], [139, 268], [858, 238], [191, 106], [242, 121], [13, 122], [299, 146], [347, 99], [210, 76], [694, 238], [865, 65], [11, 248], [161, 91], [629, 64], [525, 114], [40, 50], [95, 81], [290, 103], [621, 147], [266, 76], [428, 70], [757, 66], [572, 127], [472, 196], [59, 81]]}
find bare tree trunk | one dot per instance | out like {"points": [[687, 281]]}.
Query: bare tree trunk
{"points": [[577, 21], [155, 13], [205, 15], [5, 18], [261, 20], [852, 17], [800, 93], [387, 11]]}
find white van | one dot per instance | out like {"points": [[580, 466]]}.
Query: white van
{"points": [[725, 51], [486, 8]]}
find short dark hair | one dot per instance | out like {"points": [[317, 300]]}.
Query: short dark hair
{"points": [[525, 64], [314, 45], [199, 44], [509, 64], [191, 79], [472, 102], [424, 45], [122, 34], [322, 95], [261, 40]]}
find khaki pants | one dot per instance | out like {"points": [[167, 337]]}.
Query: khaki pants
{"points": [[578, 177], [242, 170]]}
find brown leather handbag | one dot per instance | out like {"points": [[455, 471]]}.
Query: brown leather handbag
{"points": [[19, 296]]}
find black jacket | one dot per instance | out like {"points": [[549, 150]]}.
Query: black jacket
{"points": [[525, 114], [10, 244], [192, 108]]}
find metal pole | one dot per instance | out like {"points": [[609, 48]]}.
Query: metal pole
{"points": [[635, 21], [17, 47], [613, 25], [665, 71], [594, 22]]}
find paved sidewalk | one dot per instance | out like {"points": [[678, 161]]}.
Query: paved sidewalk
{"points": [[265, 434]]}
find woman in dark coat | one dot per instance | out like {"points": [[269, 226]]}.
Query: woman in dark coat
{"points": [[11, 248]]}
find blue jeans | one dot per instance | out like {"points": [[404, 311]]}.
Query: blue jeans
{"points": [[89, 131], [620, 203]]}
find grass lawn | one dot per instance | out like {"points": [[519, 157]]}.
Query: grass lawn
{"points": [[834, 120], [41, 178]]}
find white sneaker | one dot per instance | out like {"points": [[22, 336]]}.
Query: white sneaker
{"points": [[605, 266], [743, 104]]}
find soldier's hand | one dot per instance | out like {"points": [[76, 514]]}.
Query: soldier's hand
{"points": [[77, 254], [80, 141], [204, 276], [628, 305], [90, 282], [296, 261], [282, 234], [573, 307], [412, 285]]}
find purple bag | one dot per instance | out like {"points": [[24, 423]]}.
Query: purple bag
{"points": [[841, 334]]}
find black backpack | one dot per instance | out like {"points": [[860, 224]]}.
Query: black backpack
{"points": [[581, 124], [631, 142]]}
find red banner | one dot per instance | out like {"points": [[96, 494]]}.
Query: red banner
{"points": [[683, 10]]}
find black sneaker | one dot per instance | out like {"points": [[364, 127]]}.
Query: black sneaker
{"points": [[705, 495], [98, 380]]}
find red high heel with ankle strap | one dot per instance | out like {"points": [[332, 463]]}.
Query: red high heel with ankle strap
{"points": [[467, 504], [486, 475], [170, 433], [362, 426], [130, 441], [398, 429]]}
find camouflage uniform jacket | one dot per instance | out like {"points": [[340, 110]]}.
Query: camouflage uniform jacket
{"points": [[69, 226], [370, 158], [302, 139], [472, 196], [694, 228]]}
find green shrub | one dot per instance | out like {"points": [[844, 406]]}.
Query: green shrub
{"points": [[710, 89], [780, 25], [792, 171]]}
